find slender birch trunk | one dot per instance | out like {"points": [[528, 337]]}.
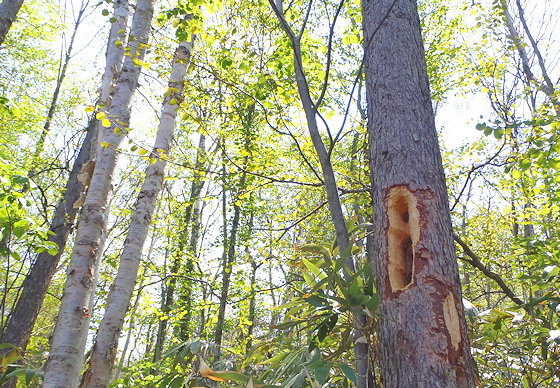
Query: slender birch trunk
{"points": [[105, 346], [8, 13], [67, 350], [36, 283], [423, 338], [113, 63]]}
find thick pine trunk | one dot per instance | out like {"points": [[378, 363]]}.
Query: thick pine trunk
{"points": [[67, 350], [105, 346], [36, 283], [8, 13], [423, 338]]}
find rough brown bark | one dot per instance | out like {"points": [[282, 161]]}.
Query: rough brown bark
{"points": [[8, 13], [422, 330]]}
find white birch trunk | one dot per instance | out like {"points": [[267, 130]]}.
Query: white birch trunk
{"points": [[113, 65], [104, 351], [66, 355], [34, 288]]}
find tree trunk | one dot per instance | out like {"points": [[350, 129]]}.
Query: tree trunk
{"points": [[230, 244], [422, 329], [105, 346], [113, 62], [190, 214], [36, 283], [363, 369], [8, 13], [192, 256], [252, 307], [227, 268], [65, 357]]}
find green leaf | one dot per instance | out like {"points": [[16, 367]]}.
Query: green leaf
{"points": [[372, 302], [177, 382], [348, 372], [29, 374], [525, 164], [19, 231], [316, 248], [313, 268], [322, 372], [316, 300]]}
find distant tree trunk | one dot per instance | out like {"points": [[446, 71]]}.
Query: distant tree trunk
{"points": [[98, 373], [252, 307], [131, 326], [230, 244], [227, 268], [422, 331], [8, 13], [36, 283], [192, 255], [66, 354], [179, 256]]}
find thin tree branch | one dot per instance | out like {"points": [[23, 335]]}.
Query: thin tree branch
{"points": [[477, 263]]}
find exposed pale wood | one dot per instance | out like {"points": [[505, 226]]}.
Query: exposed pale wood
{"points": [[422, 331]]}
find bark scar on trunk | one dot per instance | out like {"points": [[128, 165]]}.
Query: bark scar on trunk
{"points": [[403, 235], [451, 319]]}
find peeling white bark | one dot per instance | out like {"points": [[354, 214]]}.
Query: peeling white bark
{"points": [[103, 355], [68, 343]]}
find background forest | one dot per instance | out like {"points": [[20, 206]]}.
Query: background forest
{"points": [[231, 272]]}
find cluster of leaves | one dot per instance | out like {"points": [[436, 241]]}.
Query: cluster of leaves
{"points": [[17, 225]]}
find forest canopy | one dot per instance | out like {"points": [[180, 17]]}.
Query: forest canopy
{"points": [[192, 192]]}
